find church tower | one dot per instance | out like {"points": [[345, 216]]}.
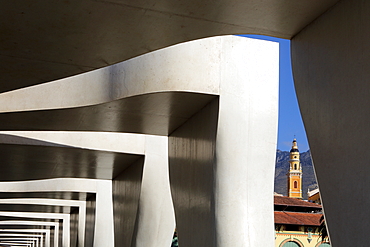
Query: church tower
{"points": [[295, 173]]}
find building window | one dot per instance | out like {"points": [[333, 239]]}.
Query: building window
{"points": [[295, 184], [324, 245], [291, 244]]}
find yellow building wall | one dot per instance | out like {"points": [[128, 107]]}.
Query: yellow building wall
{"points": [[300, 237], [298, 191], [315, 198]]}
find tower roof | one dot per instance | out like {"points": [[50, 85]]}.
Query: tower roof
{"points": [[294, 146]]}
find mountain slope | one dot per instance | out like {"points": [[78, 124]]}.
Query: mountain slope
{"points": [[282, 168]]}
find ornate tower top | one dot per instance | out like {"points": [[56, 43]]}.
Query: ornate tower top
{"points": [[294, 146]]}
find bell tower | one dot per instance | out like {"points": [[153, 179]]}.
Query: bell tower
{"points": [[295, 173]]}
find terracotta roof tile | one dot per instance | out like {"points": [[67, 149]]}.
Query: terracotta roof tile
{"points": [[288, 201], [292, 218]]}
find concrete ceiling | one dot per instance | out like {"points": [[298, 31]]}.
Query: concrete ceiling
{"points": [[27, 162], [43, 41], [158, 114]]}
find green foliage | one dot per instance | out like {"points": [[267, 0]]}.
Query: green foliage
{"points": [[323, 231]]}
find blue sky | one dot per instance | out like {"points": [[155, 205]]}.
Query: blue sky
{"points": [[290, 120]]}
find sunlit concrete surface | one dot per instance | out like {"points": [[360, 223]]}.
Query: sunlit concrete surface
{"points": [[221, 167], [226, 86], [331, 72]]}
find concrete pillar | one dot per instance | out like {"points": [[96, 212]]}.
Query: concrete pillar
{"points": [[222, 159], [156, 221], [331, 67]]}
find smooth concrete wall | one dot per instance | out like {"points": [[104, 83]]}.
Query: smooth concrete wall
{"points": [[331, 67], [74, 227], [222, 159], [126, 189], [191, 158], [90, 221], [156, 219], [104, 228]]}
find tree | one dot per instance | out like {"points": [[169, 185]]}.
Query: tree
{"points": [[323, 231]]}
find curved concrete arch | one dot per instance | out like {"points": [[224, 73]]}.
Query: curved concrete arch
{"points": [[55, 225], [103, 226], [39, 238], [171, 90], [34, 241], [39, 201], [155, 213], [187, 67], [42, 231], [65, 225], [19, 243]]}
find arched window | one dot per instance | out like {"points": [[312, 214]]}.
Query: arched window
{"points": [[291, 244], [295, 184], [295, 166], [324, 245]]}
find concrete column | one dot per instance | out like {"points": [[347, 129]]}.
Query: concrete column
{"points": [[222, 159], [156, 221], [331, 67], [126, 195], [104, 231]]}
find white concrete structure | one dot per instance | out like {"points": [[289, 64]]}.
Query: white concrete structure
{"points": [[174, 92], [39, 238], [330, 62], [223, 92], [155, 198]]}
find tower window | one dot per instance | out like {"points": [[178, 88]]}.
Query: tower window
{"points": [[295, 166], [295, 184]]}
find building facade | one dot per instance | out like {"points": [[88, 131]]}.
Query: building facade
{"points": [[297, 223]]}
